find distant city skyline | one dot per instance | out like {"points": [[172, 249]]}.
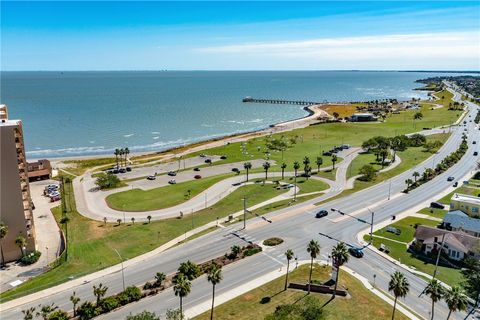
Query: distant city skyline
{"points": [[82, 36]]}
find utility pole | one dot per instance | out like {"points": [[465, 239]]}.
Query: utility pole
{"points": [[389, 188], [123, 275]]}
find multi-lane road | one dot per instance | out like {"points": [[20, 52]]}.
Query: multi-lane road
{"points": [[296, 225]]}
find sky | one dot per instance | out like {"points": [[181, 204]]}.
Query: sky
{"points": [[337, 35]]}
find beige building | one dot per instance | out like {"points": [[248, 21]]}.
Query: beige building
{"points": [[15, 201], [466, 203]]}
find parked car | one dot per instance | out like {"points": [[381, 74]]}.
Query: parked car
{"points": [[475, 153], [223, 157], [196, 169], [321, 214], [151, 178], [474, 142], [450, 178], [172, 173], [346, 146], [172, 181], [356, 252], [437, 205], [455, 184], [208, 160], [55, 198], [198, 176], [202, 156], [115, 171], [327, 153], [235, 170], [128, 169], [122, 170]]}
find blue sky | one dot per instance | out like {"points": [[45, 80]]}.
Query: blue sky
{"points": [[198, 35]]}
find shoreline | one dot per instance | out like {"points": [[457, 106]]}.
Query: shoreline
{"points": [[313, 112]]}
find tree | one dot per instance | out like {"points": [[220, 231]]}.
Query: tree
{"points": [[149, 218], [456, 300], [471, 274], [181, 288], [58, 315], [408, 182], [133, 220], [247, 166], [105, 221], [235, 251], [310, 308], [435, 290], [45, 310], [319, 163], [21, 242], [418, 116], [107, 181], [306, 165], [189, 269], [29, 313], [266, 166], [75, 300], [314, 249], [174, 315], [116, 153], [126, 152], [64, 221], [340, 256], [336, 115], [145, 315], [3, 234], [383, 153], [368, 172], [334, 160], [119, 221], [289, 255], [399, 286], [397, 143], [214, 276], [122, 152], [99, 292], [159, 278], [416, 174], [283, 166]]}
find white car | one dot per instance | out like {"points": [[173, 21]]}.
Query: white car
{"points": [[172, 181]]}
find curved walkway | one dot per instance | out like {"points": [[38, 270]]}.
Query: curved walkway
{"points": [[91, 202]]}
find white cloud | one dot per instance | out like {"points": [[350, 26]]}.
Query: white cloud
{"points": [[455, 49]]}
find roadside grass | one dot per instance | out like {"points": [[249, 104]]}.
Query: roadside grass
{"points": [[343, 110], [444, 97], [162, 197], [92, 243], [399, 252], [274, 206], [307, 185], [360, 303], [362, 159], [80, 166], [407, 227], [463, 189], [434, 212]]}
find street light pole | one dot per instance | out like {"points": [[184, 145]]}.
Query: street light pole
{"points": [[244, 213], [389, 188], [123, 275]]}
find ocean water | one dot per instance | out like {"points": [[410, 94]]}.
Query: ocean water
{"points": [[87, 113]]}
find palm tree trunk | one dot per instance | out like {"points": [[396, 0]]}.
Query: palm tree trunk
{"points": [[3, 258], [213, 303], [283, 170], [394, 307], [266, 174], [247, 175], [181, 309], [336, 283], [286, 277], [449, 314], [310, 276], [433, 308], [66, 241]]}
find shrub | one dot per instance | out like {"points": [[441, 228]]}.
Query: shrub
{"points": [[265, 300], [58, 315], [109, 303], [368, 173], [107, 181], [251, 251], [272, 242], [130, 294], [87, 310], [148, 286], [30, 258], [145, 315]]}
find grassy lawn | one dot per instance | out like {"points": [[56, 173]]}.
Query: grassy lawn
{"points": [[282, 204], [463, 189], [399, 252], [434, 212], [362, 302], [407, 227], [162, 197], [78, 167], [91, 243]]}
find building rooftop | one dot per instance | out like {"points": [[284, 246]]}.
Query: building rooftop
{"points": [[428, 234], [457, 219], [466, 198]]}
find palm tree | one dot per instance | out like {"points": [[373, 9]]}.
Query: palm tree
{"points": [[247, 166], [105, 221], [408, 182], [119, 221], [283, 166], [3, 234], [126, 152], [28, 313], [214, 277], [116, 153], [289, 255], [99, 292], [21, 242], [296, 166], [306, 164], [456, 300], [400, 287], [122, 152], [181, 288], [334, 159], [319, 163], [266, 166], [416, 174], [435, 291], [340, 256], [159, 278], [149, 217], [64, 221], [314, 249], [133, 220], [46, 309], [75, 300]]}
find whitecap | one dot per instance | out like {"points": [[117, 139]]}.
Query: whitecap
{"points": [[128, 135]]}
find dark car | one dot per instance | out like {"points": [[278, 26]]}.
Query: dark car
{"points": [[128, 169], [151, 178], [196, 169], [198, 176], [450, 178], [208, 160], [172, 173], [223, 157], [235, 170], [122, 170], [455, 184], [474, 142], [115, 171], [321, 214], [437, 205], [475, 153], [327, 153], [356, 252]]}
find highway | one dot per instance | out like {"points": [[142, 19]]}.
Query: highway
{"points": [[296, 225]]}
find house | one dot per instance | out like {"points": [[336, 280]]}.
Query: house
{"points": [[39, 170], [363, 117], [461, 222], [457, 245], [466, 203]]}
